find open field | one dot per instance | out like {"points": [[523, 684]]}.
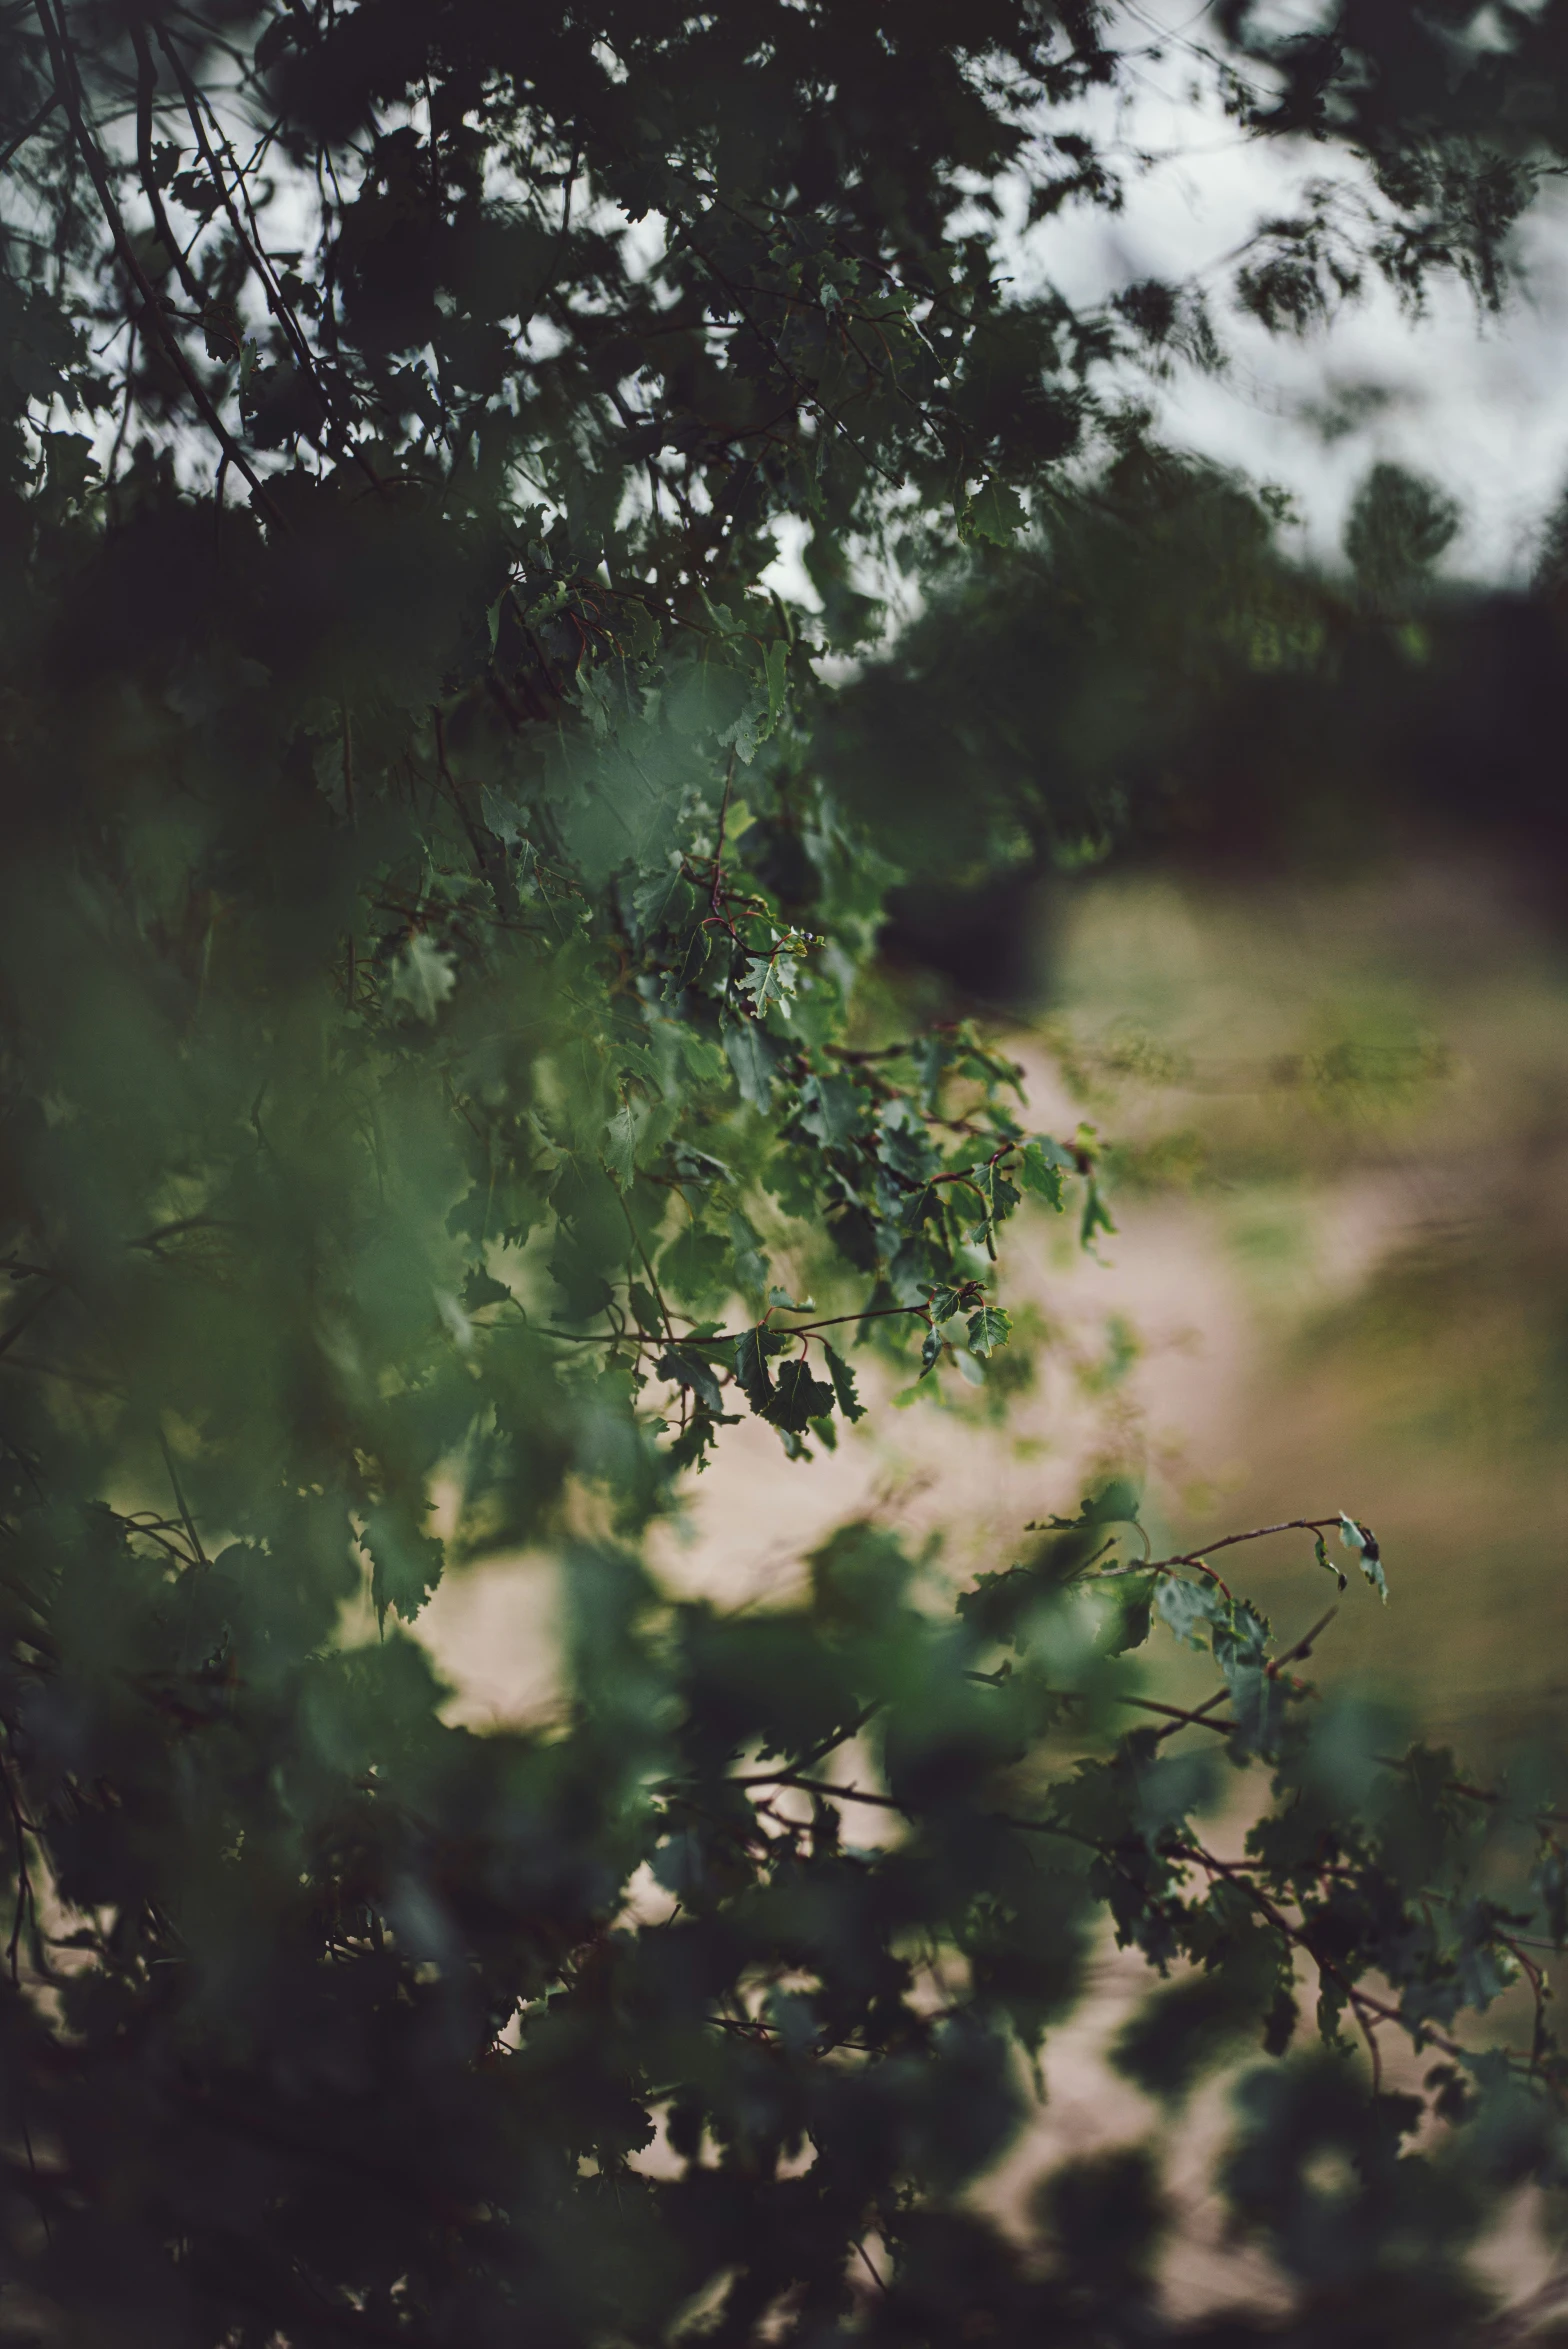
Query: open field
{"points": [[1340, 1279]]}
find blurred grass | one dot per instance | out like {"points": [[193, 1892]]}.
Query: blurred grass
{"points": [[1357, 1094]]}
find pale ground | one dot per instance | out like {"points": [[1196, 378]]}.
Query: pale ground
{"points": [[1356, 1295]]}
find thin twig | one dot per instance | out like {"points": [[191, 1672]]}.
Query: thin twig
{"points": [[1296, 1935], [716, 899], [186, 1519], [647, 1265], [1197, 1719], [253, 246], [24, 1882], [146, 80], [848, 1794], [1258, 1533], [15, 145], [152, 312], [125, 410], [880, 2282]]}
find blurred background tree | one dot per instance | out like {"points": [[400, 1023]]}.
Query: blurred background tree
{"points": [[1158, 679]]}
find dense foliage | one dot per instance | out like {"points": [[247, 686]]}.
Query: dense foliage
{"points": [[443, 1051]]}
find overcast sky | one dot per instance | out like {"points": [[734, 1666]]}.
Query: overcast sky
{"points": [[1481, 404]]}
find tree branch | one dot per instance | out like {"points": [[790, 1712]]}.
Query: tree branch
{"points": [[68, 90]]}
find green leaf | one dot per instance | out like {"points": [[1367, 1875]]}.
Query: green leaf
{"points": [[777, 669], [834, 1110], [690, 1370], [406, 1562], [989, 1328], [799, 1398], [706, 696], [481, 1288], [1134, 1597], [1361, 1539], [424, 977], [71, 462], [1041, 1168], [1000, 1196], [942, 1302], [843, 1378], [1186, 2028], [1326, 1562], [1116, 1503], [1096, 1216], [580, 1276], [697, 1265], [751, 1264], [1187, 1606], [770, 979], [642, 629], [645, 1308], [752, 1348], [752, 1059], [502, 816], [665, 898], [697, 1439], [996, 515], [620, 1154]]}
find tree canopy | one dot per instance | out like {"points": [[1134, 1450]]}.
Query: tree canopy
{"points": [[444, 1051]]}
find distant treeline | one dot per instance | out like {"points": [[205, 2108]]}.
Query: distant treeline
{"points": [[1158, 678]]}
